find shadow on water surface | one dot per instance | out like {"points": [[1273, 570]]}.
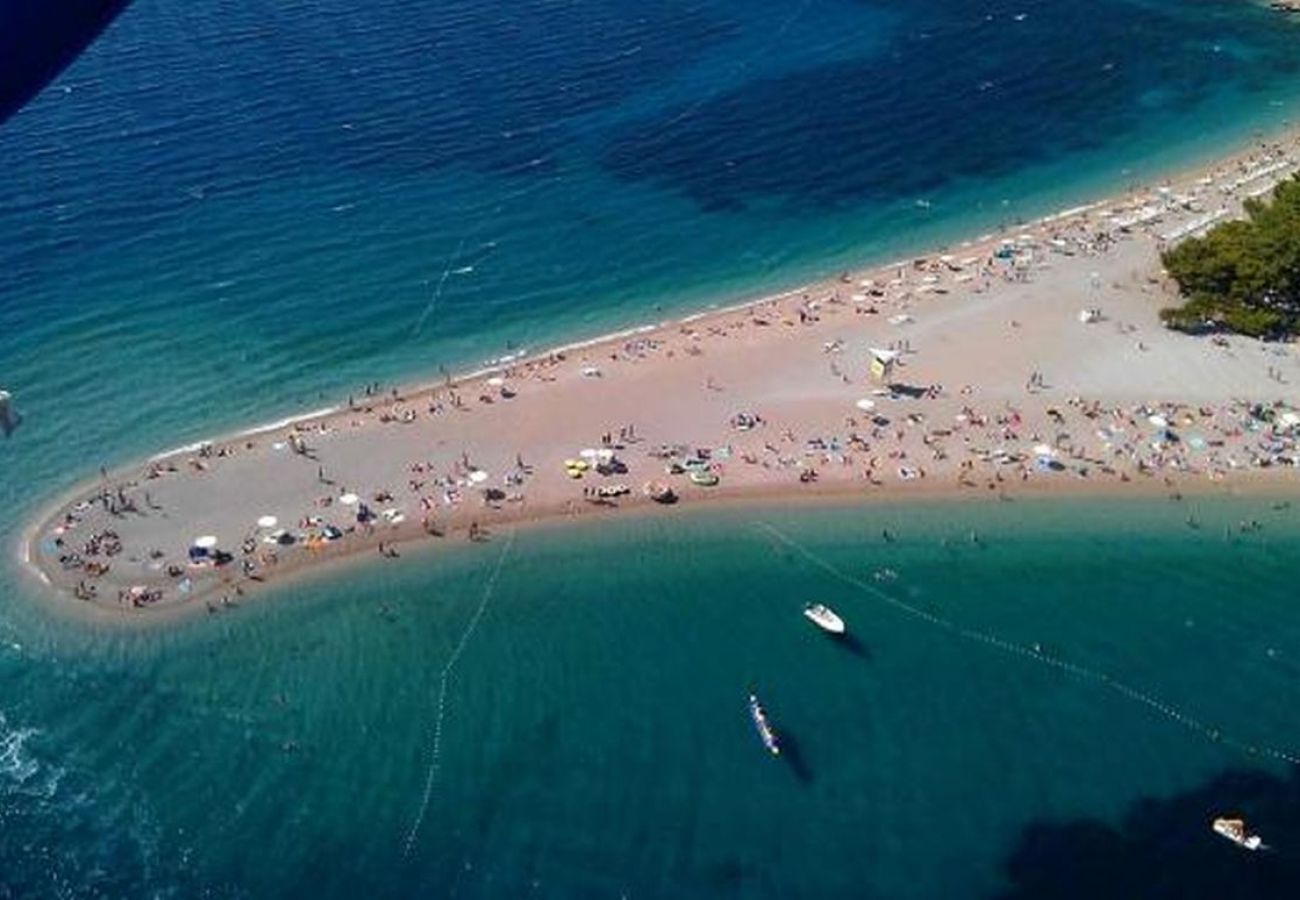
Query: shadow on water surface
{"points": [[1164, 848], [9, 424], [850, 643], [794, 758]]}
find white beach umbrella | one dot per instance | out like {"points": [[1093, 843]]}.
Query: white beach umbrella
{"points": [[349, 499], [1044, 450], [589, 453], [267, 522], [478, 476], [1158, 421], [865, 405], [206, 542], [496, 381]]}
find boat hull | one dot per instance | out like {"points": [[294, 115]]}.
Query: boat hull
{"points": [[764, 728], [825, 619]]}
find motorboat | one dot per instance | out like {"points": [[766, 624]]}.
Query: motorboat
{"points": [[763, 726], [824, 618], [1235, 831]]}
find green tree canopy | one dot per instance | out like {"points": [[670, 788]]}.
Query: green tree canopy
{"points": [[1243, 275]]}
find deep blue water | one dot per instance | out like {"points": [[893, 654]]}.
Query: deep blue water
{"points": [[225, 212]]}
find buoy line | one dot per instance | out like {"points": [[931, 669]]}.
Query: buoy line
{"points": [[440, 707], [1036, 654]]}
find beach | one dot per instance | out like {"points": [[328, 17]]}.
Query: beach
{"points": [[1030, 361], [1068, 588]]}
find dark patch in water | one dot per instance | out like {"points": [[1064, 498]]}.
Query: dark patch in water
{"points": [[950, 97], [850, 643], [794, 758], [1164, 848], [729, 874]]}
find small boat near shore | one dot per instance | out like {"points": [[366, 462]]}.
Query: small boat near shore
{"points": [[824, 618], [1235, 831], [764, 728]]}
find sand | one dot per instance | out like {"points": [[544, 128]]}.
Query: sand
{"points": [[999, 389]]}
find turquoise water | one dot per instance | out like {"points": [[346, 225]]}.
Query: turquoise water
{"points": [[225, 213], [592, 738]]}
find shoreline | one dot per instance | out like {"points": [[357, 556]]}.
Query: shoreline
{"points": [[712, 320], [1251, 487], [418, 385]]}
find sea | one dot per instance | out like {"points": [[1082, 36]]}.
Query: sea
{"points": [[226, 213]]}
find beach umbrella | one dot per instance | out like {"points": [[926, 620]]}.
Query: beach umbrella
{"points": [[349, 499], [1044, 450], [267, 522], [589, 453], [496, 381], [1158, 421], [206, 542], [865, 405], [478, 476]]}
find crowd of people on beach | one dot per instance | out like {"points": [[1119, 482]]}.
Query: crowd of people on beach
{"points": [[922, 433]]}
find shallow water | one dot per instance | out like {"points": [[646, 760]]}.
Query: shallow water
{"points": [[228, 213]]}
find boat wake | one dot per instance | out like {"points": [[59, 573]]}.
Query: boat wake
{"points": [[1036, 654], [440, 707]]}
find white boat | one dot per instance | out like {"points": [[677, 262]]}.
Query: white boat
{"points": [[1235, 831], [766, 733], [824, 618]]}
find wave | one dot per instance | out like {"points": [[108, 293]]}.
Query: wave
{"points": [[18, 765], [65, 834]]}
